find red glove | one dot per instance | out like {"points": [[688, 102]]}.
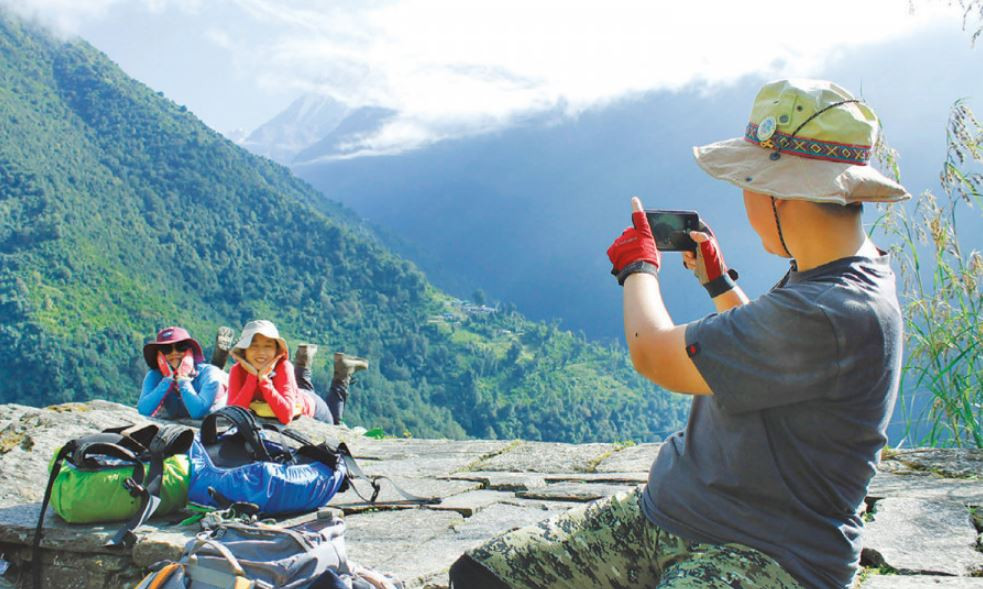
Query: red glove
{"points": [[709, 265], [162, 365], [187, 365], [634, 251]]}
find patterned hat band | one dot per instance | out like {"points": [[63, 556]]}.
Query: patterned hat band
{"points": [[810, 148]]}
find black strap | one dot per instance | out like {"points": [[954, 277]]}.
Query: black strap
{"points": [[167, 442], [635, 268], [234, 508], [721, 284], [355, 472], [246, 426], [322, 453], [82, 456], [290, 433], [139, 435], [39, 530]]}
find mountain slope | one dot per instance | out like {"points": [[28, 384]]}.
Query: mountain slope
{"points": [[120, 213]]}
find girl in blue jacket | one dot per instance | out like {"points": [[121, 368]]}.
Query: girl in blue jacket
{"points": [[180, 383]]}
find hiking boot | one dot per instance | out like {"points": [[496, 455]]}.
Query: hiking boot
{"points": [[305, 355], [224, 339], [345, 366]]}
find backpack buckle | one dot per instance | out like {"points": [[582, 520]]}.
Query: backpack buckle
{"points": [[135, 489]]}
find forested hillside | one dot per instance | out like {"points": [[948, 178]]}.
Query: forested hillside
{"points": [[121, 213]]}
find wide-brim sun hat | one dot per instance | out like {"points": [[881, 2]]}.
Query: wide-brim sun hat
{"points": [[806, 140], [261, 327], [171, 335]]}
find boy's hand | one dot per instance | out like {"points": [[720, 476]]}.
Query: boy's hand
{"points": [[162, 365], [187, 365], [636, 244], [707, 263]]}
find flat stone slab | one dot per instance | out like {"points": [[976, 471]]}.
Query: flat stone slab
{"points": [[922, 485], [543, 504], [421, 458], [581, 492], [637, 458], [948, 462], [501, 481], [922, 536], [379, 540], [616, 478], [470, 503], [74, 570], [17, 525], [349, 502], [921, 582], [546, 458], [501, 518], [436, 465], [395, 449]]}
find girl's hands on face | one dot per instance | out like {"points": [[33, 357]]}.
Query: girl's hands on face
{"points": [[267, 368], [242, 362], [186, 366], [163, 365]]}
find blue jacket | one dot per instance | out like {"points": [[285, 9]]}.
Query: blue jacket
{"points": [[195, 399]]}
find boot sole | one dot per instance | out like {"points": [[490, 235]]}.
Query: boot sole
{"points": [[224, 338]]}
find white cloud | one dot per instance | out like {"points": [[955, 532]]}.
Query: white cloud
{"points": [[452, 67], [62, 16], [66, 17]]}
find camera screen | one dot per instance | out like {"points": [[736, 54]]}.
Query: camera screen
{"points": [[671, 229]]}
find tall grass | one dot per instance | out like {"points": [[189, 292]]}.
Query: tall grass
{"points": [[942, 295]]}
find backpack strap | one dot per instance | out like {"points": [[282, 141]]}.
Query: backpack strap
{"points": [[291, 453], [246, 428], [158, 579], [63, 453], [324, 453], [139, 434], [354, 472], [167, 441], [214, 577]]}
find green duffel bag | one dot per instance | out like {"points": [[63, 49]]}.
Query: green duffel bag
{"points": [[121, 474], [82, 496]]}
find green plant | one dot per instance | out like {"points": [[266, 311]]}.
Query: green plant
{"points": [[941, 294]]}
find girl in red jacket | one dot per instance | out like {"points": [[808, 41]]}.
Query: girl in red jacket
{"points": [[264, 380]]}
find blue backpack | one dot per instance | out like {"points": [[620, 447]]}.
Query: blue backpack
{"points": [[242, 464]]}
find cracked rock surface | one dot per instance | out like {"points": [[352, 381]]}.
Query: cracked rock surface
{"points": [[922, 524]]}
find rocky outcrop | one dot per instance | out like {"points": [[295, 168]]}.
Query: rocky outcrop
{"points": [[923, 529]]}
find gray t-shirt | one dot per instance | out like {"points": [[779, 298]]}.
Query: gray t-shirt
{"points": [[779, 457]]}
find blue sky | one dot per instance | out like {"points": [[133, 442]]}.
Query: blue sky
{"points": [[452, 68]]}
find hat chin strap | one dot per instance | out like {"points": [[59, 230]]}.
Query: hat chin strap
{"points": [[779, 226]]}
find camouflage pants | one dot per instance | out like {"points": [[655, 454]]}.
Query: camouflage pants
{"points": [[611, 544]]}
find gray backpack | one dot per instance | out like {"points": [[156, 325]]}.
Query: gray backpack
{"points": [[258, 556]]}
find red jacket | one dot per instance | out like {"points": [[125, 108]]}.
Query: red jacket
{"points": [[280, 391]]}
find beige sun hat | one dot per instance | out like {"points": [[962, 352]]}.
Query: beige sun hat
{"points": [[806, 140], [261, 327]]}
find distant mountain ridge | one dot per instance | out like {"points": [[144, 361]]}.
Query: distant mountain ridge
{"points": [[314, 127], [121, 213]]}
